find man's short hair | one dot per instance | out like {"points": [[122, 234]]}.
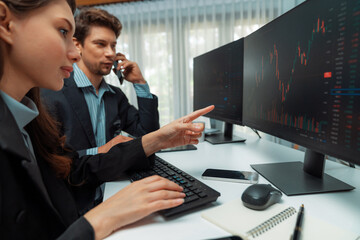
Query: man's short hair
{"points": [[89, 17]]}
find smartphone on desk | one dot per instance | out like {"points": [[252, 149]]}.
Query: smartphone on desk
{"points": [[118, 73], [231, 175]]}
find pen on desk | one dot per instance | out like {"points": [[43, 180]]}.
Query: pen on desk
{"points": [[298, 225]]}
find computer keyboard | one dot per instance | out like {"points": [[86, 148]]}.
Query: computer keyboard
{"points": [[197, 193]]}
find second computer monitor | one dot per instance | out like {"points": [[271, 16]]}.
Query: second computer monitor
{"points": [[301, 84], [218, 80]]}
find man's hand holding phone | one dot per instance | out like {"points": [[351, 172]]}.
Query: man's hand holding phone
{"points": [[118, 73], [130, 70]]}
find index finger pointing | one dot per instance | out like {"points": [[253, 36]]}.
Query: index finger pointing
{"points": [[194, 115]]}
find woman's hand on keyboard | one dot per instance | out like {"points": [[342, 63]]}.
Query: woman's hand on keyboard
{"points": [[134, 202]]}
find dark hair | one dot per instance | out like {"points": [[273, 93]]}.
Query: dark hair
{"points": [[89, 17], [24, 6], [43, 130]]}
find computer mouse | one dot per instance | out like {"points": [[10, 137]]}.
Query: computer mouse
{"points": [[260, 196]]}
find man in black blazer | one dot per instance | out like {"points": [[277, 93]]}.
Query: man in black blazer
{"points": [[91, 112], [69, 107]]}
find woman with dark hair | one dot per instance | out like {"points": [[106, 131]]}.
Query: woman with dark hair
{"points": [[37, 172]]}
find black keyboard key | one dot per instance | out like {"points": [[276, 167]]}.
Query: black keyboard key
{"points": [[188, 185], [191, 179], [188, 194], [202, 194], [164, 175], [197, 191], [190, 199], [171, 173]]}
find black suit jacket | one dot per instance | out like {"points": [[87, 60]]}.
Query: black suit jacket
{"points": [[34, 203], [69, 107]]}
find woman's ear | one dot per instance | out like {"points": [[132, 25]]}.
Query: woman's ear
{"points": [[5, 23]]}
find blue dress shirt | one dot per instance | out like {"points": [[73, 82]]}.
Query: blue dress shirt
{"points": [[96, 104], [23, 112]]}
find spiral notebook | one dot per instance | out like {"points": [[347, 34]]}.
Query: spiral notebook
{"points": [[276, 222]]}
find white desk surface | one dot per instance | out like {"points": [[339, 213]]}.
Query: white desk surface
{"points": [[340, 208]]}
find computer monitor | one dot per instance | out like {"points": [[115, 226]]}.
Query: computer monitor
{"points": [[218, 76], [301, 83]]}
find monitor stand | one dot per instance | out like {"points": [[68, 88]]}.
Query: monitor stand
{"points": [[226, 137], [295, 178]]}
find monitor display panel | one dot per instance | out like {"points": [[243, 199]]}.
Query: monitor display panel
{"points": [[218, 76], [301, 79]]}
